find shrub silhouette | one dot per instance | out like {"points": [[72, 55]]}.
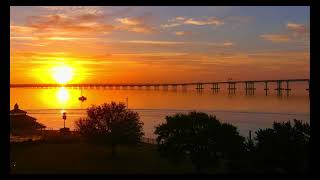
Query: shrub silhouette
{"points": [[198, 137], [111, 123], [283, 148]]}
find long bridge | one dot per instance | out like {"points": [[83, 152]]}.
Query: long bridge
{"points": [[249, 85]]}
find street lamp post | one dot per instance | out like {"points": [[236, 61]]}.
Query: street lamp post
{"points": [[64, 117]]}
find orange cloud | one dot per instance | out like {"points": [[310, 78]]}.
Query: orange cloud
{"points": [[276, 38], [155, 42], [298, 30], [296, 27], [177, 21], [74, 10], [223, 44], [209, 21], [170, 25], [295, 33], [56, 22], [136, 24], [59, 27], [129, 21], [183, 33]]}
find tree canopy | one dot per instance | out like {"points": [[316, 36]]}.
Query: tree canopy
{"points": [[199, 137], [284, 147], [111, 123]]}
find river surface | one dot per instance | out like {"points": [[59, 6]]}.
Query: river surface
{"points": [[247, 112]]}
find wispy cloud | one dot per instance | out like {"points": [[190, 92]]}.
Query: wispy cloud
{"points": [[208, 21], [75, 10], [183, 33], [60, 22], [155, 42], [295, 33], [136, 24], [298, 30], [170, 25], [222, 44], [276, 38], [178, 21], [296, 27], [228, 44], [58, 27], [130, 21]]}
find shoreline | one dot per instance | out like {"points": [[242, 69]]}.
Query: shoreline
{"points": [[45, 134]]}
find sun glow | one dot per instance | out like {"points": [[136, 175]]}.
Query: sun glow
{"points": [[62, 74]]}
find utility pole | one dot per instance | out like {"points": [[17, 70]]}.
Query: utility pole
{"points": [[127, 103]]}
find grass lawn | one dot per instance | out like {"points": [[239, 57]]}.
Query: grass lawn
{"points": [[81, 157]]}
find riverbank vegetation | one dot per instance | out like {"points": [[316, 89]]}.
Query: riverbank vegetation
{"points": [[109, 141]]}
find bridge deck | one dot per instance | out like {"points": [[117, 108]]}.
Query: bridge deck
{"points": [[154, 84]]}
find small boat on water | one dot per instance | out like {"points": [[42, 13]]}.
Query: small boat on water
{"points": [[82, 98]]}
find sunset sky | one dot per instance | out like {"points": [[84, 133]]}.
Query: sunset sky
{"points": [[158, 44]]}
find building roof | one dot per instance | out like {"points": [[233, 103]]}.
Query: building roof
{"points": [[20, 120], [24, 122], [17, 111]]}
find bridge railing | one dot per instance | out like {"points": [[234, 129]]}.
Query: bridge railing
{"points": [[156, 84]]}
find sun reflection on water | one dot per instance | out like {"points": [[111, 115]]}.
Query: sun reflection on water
{"points": [[63, 95]]}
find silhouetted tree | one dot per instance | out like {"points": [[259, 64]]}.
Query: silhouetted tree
{"points": [[111, 123], [247, 156], [283, 147], [200, 137]]}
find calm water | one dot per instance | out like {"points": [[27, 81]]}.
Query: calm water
{"points": [[246, 112]]}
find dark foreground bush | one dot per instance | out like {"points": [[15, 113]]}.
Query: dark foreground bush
{"points": [[113, 124], [199, 137], [283, 148]]}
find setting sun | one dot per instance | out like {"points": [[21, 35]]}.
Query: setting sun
{"points": [[62, 74]]}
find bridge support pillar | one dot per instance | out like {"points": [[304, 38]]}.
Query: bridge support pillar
{"points": [[266, 87], [199, 86], [287, 89], [215, 87], [250, 88], [279, 88], [232, 87]]}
